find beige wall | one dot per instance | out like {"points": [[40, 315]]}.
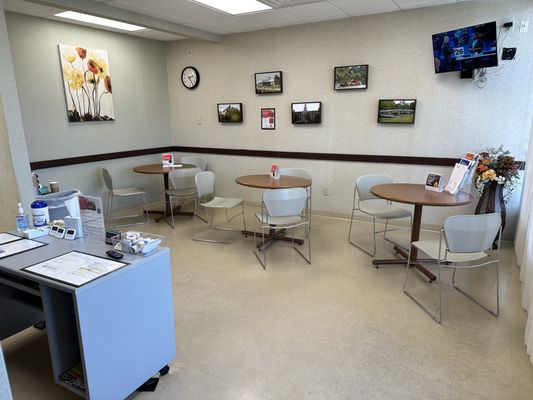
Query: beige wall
{"points": [[453, 116], [140, 98], [9, 196]]}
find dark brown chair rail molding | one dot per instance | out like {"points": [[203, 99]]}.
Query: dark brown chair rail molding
{"points": [[369, 158]]}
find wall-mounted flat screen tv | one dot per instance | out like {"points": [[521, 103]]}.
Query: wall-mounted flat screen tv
{"points": [[466, 48]]}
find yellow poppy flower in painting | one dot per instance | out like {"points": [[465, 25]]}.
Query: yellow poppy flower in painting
{"points": [[74, 78], [70, 57], [103, 69]]}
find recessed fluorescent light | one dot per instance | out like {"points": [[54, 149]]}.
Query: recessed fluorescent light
{"points": [[91, 19], [235, 6]]}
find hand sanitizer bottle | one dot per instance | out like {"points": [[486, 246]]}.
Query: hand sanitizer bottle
{"points": [[22, 219]]}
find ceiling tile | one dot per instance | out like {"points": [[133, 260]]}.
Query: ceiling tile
{"points": [[315, 12], [355, 8], [25, 7], [271, 19], [150, 12], [230, 23], [406, 4]]}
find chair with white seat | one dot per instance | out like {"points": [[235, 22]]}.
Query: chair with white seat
{"points": [[127, 192], [183, 187], [365, 202], [283, 209], [465, 242], [300, 173], [205, 188], [198, 161]]}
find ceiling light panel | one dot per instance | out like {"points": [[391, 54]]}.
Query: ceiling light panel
{"points": [[235, 7], [289, 3], [91, 19]]}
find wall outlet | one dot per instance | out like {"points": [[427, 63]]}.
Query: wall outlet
{"points": [[524, 26], [325, 191], [198, 120]]}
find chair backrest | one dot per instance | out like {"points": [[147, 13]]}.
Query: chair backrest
{"points": [[205, 183], [471, 233], [183, 178], [364, 184], [297, 172], [107, 179], [285, 202], [200, 162]]}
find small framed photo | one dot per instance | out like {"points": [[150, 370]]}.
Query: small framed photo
{"points": [[434, 182], [306, 113], [269, 82], [268, 118], [397, 111], [229, 112], [350, 77]]}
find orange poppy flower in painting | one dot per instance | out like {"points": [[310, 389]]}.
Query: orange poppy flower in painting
{"points": [[93, 67], [107, 83], [81, 52]]}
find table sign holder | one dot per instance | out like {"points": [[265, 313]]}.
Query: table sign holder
{"points": [[434, 182], [167, 159], [274, 172]]}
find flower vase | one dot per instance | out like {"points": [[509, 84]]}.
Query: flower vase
{"points": [[492, 201]]}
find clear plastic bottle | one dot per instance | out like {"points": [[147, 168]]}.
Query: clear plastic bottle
{"points": [[23, 222]]}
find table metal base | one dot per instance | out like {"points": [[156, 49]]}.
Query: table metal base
{"points": [[272, 236], [403, 253]]}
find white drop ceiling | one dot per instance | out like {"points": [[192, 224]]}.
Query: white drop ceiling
{"points": [[187, 13]]}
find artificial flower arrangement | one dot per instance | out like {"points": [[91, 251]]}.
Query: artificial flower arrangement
{"points": [[496, 165]]}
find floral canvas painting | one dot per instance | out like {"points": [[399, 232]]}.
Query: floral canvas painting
{"points": [[87, 83]]}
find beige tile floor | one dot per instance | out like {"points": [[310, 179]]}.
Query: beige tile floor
{"points": [[336, 329]]}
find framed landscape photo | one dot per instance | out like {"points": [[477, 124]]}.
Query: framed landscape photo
{"points": [[229, 112], [268, 118], [268, 82], [350, 77], [306, 113], [397, 111]]}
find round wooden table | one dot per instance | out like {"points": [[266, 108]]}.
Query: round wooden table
{"points": [[158, 169], [409, 193], [266, 182]]}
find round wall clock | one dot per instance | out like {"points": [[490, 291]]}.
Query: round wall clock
{"points": [[190, 77]]}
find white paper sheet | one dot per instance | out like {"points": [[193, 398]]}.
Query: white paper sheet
{"points": [[92, 217], [75, 268], [19, 246], [7, 237]]}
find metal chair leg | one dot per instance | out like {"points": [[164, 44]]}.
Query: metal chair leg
{"points": [[473, 299], [411, 296]]}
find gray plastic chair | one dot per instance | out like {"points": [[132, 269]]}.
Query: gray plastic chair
{"points": [[283, 209], [200, 162], [301, 173], [205, 188], [465, 242], [126, 192], [380, 209], [183, 187]]}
